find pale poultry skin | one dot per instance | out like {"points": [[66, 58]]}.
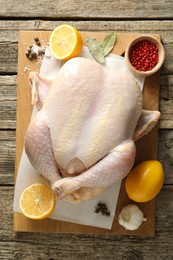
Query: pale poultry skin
{"points": [[82, 139]]}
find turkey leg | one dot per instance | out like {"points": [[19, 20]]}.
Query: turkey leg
{"points": [[115, 166]]}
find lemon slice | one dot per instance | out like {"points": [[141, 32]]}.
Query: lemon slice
{"points": [[37, 201], [65, 42]]}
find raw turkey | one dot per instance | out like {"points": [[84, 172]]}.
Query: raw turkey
{"points": [[82, 138]]}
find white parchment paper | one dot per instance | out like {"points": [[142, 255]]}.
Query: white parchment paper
{"points": [[84, 212]]}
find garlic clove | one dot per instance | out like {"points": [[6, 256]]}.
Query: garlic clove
{"points": [[131, 217]]}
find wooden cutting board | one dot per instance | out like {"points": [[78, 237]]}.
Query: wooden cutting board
{"points": [[146, 147]]}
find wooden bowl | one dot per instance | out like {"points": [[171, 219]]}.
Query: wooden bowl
{"points": [[158, 65]]}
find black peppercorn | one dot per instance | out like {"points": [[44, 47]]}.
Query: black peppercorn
{"points": [[102, 208], [97, 210], [107, 214]]}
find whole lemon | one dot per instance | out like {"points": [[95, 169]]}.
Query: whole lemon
{"points": [[145, 181]]}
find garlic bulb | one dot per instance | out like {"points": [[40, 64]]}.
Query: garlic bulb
{"points": [[131, 217]]}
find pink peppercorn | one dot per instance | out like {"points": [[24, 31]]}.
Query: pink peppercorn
{"points": [[144, 55]]}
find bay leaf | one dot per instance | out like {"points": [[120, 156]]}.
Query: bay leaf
{"points": [[96, 49], [108, 43]]}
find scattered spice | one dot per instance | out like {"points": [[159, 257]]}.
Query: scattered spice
{"points": [[36, 39], [27, 69], [102, 208], [144, 55], [47, 53], [35, 50]]}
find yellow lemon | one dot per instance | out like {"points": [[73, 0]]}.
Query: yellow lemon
{"points": [[37, 201], [65, 42], [145, 181]]}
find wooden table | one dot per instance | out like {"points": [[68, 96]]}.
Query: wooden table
{"points": [[120, 16]]}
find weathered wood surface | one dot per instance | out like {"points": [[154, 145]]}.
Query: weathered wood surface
{"points": [[88, 9], [121, 16]]}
